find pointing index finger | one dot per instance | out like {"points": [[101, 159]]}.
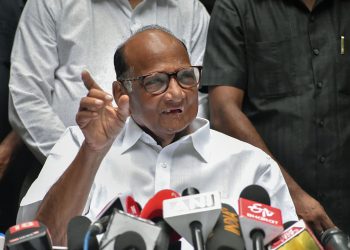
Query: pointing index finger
{"points": [[89, 82]]}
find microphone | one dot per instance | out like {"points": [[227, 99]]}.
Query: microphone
{"points": [[129, 240], [153, 210], [124, 203], [122, 226], [260, 223], [226, 234], [31, 235], [335, 239], [77, 228], [193, 216], [297, 236]]}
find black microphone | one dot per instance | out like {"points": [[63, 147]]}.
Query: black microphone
{"points": [[129, 241], [226, 234], [31, 235], [77, 228], [335, 239], [260, 222]]}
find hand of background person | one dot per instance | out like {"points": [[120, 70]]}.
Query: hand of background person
{"points": [[99, 121], [312, 212], [8, 148]]}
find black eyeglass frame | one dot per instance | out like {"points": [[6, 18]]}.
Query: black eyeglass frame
{"points": [[140, 79]]}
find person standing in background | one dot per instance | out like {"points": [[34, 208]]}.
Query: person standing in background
{"points": [[278, 74]]}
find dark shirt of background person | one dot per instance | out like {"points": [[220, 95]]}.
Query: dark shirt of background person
{"points": [[209, 4]]}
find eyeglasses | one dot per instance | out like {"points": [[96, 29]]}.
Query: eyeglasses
{"points": [[158, 82]]}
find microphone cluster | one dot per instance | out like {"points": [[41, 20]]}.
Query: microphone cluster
{"points": [[200, 218]]}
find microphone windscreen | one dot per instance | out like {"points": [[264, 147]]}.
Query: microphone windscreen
{"points": [[129, 240], [77, 228], [153, 209], [335, 239], [226, 234], [190, 191], [256, 193]]}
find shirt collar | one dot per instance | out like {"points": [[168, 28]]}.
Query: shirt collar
{"points": [[199, 137], [132, 134]]}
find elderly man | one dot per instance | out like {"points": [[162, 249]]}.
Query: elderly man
{"points": [[162, 145]]}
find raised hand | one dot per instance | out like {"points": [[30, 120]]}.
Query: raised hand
{"points": [[99, 121]]}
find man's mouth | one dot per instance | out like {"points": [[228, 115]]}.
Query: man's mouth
{"points": [[173, 111]]}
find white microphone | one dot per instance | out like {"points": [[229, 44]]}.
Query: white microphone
{"points": [[260, 223], [193, 216]]}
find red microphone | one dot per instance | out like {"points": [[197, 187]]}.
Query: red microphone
{"points": [[260, 223], [154, 207], [153, 210]]}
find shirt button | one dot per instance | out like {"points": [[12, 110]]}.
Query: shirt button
{"points": [[320, 123], [312, 18], [322, 159], [164, 165], [316, 52], [319, 85]]}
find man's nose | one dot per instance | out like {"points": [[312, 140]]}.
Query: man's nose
{"points": [[174, 91]]}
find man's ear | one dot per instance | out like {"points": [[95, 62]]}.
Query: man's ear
{"points": [[118, 90]]}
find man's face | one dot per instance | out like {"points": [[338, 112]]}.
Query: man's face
{"points": [[162, 115]]}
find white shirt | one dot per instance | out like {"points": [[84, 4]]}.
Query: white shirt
{"points": [[206, 159], [57, 39]]}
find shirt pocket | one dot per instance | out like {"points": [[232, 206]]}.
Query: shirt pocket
{"points": [[272, 69], [343, 66]]}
